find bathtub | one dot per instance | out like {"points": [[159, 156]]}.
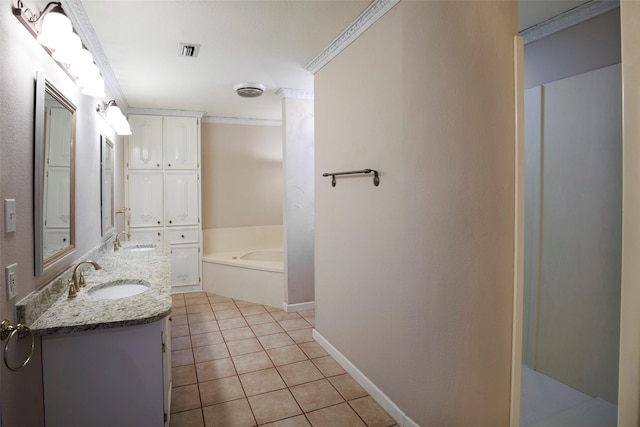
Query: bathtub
{"points": [[252, 275]]}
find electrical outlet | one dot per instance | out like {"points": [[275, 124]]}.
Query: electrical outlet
{"points": [[11, 280]]}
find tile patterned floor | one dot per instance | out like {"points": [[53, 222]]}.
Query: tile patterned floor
{"points": [[239, 364]]}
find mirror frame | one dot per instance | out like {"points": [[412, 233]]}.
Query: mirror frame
{"points": [[107, 229], [42, 88]]}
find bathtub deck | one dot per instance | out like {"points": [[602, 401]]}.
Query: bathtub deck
{"points": [[260, 282]]}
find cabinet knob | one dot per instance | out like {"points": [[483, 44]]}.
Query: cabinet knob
{"points": [[157, 165], [170, 222], [169, 165], [158, 233], [64, 239], [182, 236], [158, 222]]}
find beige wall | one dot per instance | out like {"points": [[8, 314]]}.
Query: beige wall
{"points": [[421, 267], [629, 386], [22, 57], [241, 175]]}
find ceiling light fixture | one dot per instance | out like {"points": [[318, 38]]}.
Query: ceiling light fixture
{"points": [[249, 90], [114, 117], [54, 31]]}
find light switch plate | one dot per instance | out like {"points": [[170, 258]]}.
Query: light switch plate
{"points": [[9, 215], [11, 280]]}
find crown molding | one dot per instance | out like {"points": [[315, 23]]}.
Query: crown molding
{"points": [[366, 19], [163, 112], [294, 93], [78, 16], [240, 121], [567, 19]]}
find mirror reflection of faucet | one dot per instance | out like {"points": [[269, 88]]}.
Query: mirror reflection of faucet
{"points": [[116, 242], [77, 279]]}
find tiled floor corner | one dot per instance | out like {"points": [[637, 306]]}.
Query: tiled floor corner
{"points": [[239, 364]]}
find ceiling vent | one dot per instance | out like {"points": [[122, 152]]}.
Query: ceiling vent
{"points": [[189, 50], [249, 90]]}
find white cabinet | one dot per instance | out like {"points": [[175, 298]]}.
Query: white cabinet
{"points": [[180, 143], [145, 198], [185, 265], [108, 377], [165, 202], [147, 234], [181, 191], [145, 142]]}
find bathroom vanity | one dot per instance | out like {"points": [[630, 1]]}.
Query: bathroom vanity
{"points": [[106, 356]]}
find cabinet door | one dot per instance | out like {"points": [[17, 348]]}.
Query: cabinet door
{"points": [[180, 142], [144, 198], [185, 265], [145, 142], [181, 192]]}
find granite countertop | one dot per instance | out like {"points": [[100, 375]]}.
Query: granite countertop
{"points": [[84, 312]]}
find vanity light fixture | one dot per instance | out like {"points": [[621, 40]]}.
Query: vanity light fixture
{"points": [[114, 117], [54, 31]]}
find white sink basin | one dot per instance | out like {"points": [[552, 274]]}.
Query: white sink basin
{"points": [[140, 248], [119, 289]]}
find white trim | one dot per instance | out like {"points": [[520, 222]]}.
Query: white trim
{"points": [[383, 400], [240, 121], [78, 17], [294, 93], [571, 17], [163, 112], [518, 240], [301, 306], [371, 14]]}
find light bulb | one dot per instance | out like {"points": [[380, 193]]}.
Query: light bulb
{"points": [[55, 27], [93, 86], [68, 50], [83, 60]]}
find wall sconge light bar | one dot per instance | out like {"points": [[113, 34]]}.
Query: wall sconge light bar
{"points": [[114, 117], [54, 31]]}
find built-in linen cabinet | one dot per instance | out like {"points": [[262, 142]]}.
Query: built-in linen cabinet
{"points": [[163, 190]]}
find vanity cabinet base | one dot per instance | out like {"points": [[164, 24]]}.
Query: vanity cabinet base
{"points": [[107, 377]]}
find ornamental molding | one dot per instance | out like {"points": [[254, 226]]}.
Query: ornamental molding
{"points": [[78, 16], [165, 112], [294, 93], [240, 121], [567, 19], [371, 14]]}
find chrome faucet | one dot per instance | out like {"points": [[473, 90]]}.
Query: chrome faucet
{"points": [[77, 279], [116, 241]]}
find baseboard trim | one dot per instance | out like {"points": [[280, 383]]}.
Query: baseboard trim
{"points": [[383, 400], [301, 306]]}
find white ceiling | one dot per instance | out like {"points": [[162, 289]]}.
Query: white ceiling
{"points": [[265, 41]]}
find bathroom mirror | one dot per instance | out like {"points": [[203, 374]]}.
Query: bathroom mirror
{"points": [[107, 186], [54, 142]]}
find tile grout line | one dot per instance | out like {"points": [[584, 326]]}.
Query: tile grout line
{"points": [[256, 337]]}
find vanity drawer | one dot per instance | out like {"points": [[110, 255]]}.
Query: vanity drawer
{"points": [[146, 234], [183, 235]]}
